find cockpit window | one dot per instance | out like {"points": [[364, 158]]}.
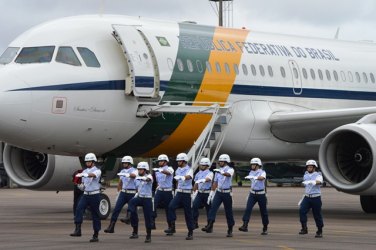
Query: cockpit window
{"points": [[8, 55], [66, 55], [89, 57], [36, 54]]}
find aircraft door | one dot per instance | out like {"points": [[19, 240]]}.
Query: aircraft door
{"points": [[142, 76], [296, 77]]}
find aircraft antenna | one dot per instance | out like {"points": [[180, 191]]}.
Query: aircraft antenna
{"points": [[224, 11]]}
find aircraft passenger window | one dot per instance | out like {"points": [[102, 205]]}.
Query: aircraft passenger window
{"points": [[208, 67], [89, 57], [320, 74], [8, 55], [328, 75], [313, 75], [296, 74], [245, 69], [283, 72], [170, 64], [236, 68], [343, 76], [305, 75], [365, 77], [335, 75], [199, 66], [351, 78], [357, 76], [270, 70], [218, 67], [36, 54], [227, 68], [262, 71], [253, 69], [66, 55], [189, 65], [180, 64], [372, 78]]}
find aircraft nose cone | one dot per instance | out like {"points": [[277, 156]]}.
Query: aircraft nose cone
{"points": [[15, 107]]}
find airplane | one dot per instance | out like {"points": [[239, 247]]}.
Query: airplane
{"points": [[119, 85]]}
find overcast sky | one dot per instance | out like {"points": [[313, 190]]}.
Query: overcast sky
{"points": [[319, 18]]}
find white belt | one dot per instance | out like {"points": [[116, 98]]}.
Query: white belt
{"points": [[224, 190], [92, 192], [165, 189], [204, 191], [257, 192], [312, 195], [144, 196], [128, 191], [187, 191]]}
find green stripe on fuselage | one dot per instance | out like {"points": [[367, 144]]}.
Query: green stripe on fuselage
{"points": [[183, 86]]}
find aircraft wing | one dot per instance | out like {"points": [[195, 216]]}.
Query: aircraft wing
{"points": [[306, 126]]}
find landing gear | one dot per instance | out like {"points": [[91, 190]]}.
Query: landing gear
{"points": [[368, 203]]}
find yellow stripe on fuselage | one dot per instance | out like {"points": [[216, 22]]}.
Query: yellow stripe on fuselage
{"points": [[215, 87]]}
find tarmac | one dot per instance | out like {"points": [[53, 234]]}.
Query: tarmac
{"points": [[44, 220]]}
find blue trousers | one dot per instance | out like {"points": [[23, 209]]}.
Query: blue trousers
{"points": [[227, 203], [123, 199], [160, 197], [252, 200], [92, 201], [147, 205], [181, 200], [201, 200], [314, 203]]}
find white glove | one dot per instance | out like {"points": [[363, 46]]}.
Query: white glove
{"points": [[211, 197], [216, 170], [81, 187], [193, 196], [142, 178], [250, 177], [201, 181], [82, 175], [124, 174], [219, 171], [117, 196], [313, 182], [156, 169], [179, 177]]}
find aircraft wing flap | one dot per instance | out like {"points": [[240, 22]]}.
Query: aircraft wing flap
{"points": [[306, 126]]}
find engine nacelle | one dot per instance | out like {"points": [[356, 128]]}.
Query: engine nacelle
{"points": [[347, 157], [37, 171]]}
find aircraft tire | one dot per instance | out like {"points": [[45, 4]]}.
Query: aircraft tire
{"points": [[104, 207], [368, 203]]}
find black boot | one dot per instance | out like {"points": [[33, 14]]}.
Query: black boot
{"points": [[111, 228], [190, 235], [229, 232], [134, 233], [304, 229], [77, 231], [264, 230], [95, 237], [148, 235], [319, 233], [244, 227], [127, 219], [209, 227], [171, 228], [195, 225]]}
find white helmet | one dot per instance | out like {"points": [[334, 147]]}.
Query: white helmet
{"points": [[90, 157], [163, 157], [127, 159], [224, 157], [143, 165], [182, 157], [256, 161], [205, 161], [311, 163]]}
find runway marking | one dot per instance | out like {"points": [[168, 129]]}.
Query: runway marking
{"points": [[286, 248]]}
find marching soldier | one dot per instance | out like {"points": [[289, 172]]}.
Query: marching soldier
{"points": [[183, 176], [312, 199], [256, 195]]}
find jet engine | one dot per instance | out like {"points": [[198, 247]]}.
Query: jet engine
{"points": [[37, 171], [347, 160]]}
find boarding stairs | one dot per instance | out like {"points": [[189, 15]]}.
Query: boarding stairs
{"points": [[211, 138]]}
